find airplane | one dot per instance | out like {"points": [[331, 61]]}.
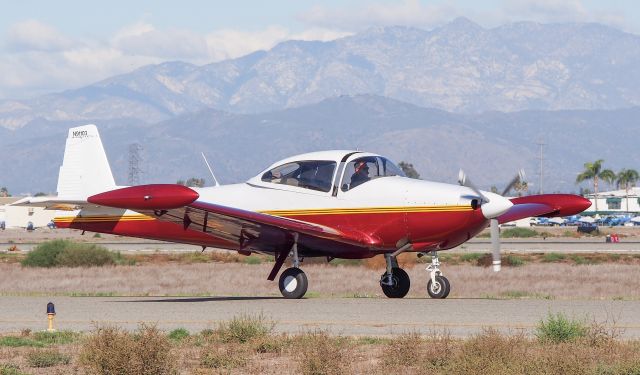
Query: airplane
{"points": [[333, 204]]}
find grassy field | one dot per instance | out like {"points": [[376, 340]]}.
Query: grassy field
{"points": [[248, 345], [551, 275]]}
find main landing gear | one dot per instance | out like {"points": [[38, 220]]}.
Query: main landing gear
{"points": [[293, 281], [395, 281]]}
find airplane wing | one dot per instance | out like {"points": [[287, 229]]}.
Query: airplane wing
{"points": [[251, 230], [54, 203], [547, 205]]}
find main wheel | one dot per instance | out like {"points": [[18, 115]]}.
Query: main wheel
{"points": [[293, 283], [400, 286], [439, 289]]}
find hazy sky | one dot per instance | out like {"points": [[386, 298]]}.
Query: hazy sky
{"points": [[48, 46]]}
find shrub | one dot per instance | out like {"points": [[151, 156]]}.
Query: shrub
{"points": [[223, 357], [518, 233], [245, 328], [10, 370], [47, 358], [471, 257], [178, 334], [559, 328], [64, 253], [512, 260], [321, 354], [110, 350], [403, 350], [85, 256], [553, 257], [45, 254], [14, 342], [56, 338]]}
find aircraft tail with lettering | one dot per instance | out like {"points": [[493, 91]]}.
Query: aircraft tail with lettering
{"points": [[85, 170]]}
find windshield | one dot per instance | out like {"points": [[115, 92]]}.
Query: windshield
{"points": [[367, 168], [311, 174]]}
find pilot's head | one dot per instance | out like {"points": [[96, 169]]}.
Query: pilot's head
{"points": [[362, 167]]}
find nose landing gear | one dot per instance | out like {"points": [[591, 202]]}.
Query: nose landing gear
{"points": [[438, 286]]}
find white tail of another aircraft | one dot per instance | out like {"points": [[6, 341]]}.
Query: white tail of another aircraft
{"points": [[85, 170]]}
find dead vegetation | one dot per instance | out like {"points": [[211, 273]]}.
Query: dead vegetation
{"points": [[228, 349], [531, 280]]}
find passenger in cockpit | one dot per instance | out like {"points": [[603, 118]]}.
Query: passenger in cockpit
{"points": [[360, 175]]}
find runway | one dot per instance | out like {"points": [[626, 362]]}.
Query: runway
{"points": [[340, 316]]}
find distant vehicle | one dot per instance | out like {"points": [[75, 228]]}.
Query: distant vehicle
{"points": [[572, 220], [30, 226], [584, 227], [556, 221]]}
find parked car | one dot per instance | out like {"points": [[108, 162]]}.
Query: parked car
{"points": [[587, 227]]}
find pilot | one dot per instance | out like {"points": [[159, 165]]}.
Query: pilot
{"points": [[360, 175]]}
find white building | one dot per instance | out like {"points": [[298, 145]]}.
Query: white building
{"points": [[615, 202], [19, 217]]}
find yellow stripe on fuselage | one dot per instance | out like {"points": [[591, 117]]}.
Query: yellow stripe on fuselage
{"points": [[301, 212], [366, 210]]}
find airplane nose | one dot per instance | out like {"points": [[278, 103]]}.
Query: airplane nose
{"points": [[496, 206]]}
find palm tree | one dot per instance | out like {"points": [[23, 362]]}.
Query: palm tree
{"points": [[593, 171], [627, 178]]}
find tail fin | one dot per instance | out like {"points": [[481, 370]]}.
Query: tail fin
{"points": [[85, 169]]}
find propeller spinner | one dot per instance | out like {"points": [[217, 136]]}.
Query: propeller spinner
{"points": [[493, 205]]}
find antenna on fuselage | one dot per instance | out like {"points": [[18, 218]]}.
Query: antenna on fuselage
{"points": [[210, 170]]}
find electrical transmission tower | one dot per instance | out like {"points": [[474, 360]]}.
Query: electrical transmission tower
{"points": [[135, 160], [541, 144]]}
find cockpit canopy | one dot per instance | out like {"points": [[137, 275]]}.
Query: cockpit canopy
{"points": [[308, 174], [367, 168], [326, 171]]}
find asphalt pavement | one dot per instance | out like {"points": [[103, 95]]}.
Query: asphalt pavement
{"points": [[340, 316]]}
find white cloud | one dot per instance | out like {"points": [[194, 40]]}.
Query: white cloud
{"points": [[226, 44], [144, 39], [407, 13], [547, 11], [37, 58], [33, 35]]}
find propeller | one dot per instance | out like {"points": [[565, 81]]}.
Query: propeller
{"points": [[463, 180], [518, 178]]}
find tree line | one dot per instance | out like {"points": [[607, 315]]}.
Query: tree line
{"points": [[625, 178]]}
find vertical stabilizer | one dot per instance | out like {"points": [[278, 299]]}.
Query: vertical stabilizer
{"points": [[85, 169]]}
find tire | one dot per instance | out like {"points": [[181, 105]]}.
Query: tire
{"points": [[401, 284], [440, 289], [293, 283]]}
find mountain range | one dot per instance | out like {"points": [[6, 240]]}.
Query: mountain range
{"points": [[458, 96], [491, 147], [459, 67]]}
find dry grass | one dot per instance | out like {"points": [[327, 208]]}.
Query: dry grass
{"points": [[148, 351], [540, 280], [110, 350]]}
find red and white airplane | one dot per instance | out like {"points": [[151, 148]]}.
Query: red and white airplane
{"points": [[332, 204]]}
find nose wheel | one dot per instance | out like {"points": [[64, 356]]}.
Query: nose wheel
{"points": [[438, 286]]}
